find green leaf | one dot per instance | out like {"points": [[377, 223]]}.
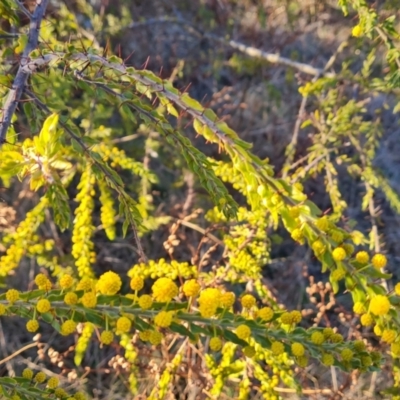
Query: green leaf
{"points": [[178, 328]]}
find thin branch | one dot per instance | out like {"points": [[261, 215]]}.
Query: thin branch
{"points": [[250, 51], [11, 356], [23, 9], [21, 78]]}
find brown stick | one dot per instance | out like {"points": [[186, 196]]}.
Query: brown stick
{"points": [[21, 78]]}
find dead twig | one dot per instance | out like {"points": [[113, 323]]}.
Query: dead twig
{"points": [[21, 78]]}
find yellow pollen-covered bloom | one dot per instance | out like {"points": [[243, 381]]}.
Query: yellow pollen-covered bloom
{"points": [[379, 305], [164, 290], [109, 283], [191, 288], [379, 261]]}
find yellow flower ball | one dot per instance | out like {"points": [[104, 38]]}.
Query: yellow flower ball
{"points": [[277, 348], [85, 284], [379, 305], [346, 354], [357, 31], [339, 254], [297, 235], [208, 310], [296, 316], [12, 295], [359, 345], [106, 337], [249, 351], [366, 320], [336, 338], [164, 290], [378, 330], [215, 344], [32, 325], [53, 382], [137, 283], [366, 361], [40, 377], [227, 299], [145, 302], [389, 335], [317, 337], [89, 300], [40, 279], [318, 247], [109, 283], [60, 393], [379, 261], [298, 349], [338, 274], [397, 289], [302, 361], [362, 257], [191, 288], [3, 309], [248, 301], [286, 318], [395, 349], [163, 319], [27, 373], [323, 224], [328, 332], [123, 324], [43, 306], [265, 313], [47, 286], [243, 332], [71, 298], [359, 308], [327, 359], [68, 327], [144, 335], [155, 338], [66, 281]]}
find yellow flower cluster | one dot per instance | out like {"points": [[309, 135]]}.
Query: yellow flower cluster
{"points": [[109, 283], [215, 344], [123, 325], [43, 306], [107, 211], [227, 299], [106, 337], [248, 301], [164, 290], [209, 301], [379, 305], [339, 254], [265, 313], [68, 327], [243, 332], [161, 268], [145, 302], [379, 261], [83, 247], [191, 288], [22, 238], [163, 319], [89, 300], [137, 283]]}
